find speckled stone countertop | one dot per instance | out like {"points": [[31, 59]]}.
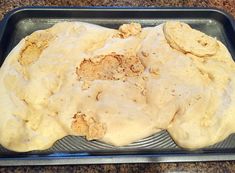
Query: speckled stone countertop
{"points": [[228, 166]]}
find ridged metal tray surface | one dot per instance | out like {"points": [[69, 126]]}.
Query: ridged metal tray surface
{"points": [[157, 148]]}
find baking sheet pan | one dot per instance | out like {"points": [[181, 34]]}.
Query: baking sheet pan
{"points": [[156, 148]]}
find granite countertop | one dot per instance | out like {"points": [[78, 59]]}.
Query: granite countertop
{"points": [[227, 166]]}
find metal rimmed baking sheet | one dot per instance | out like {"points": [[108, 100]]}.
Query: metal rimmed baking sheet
{"points": [[157, 148]]}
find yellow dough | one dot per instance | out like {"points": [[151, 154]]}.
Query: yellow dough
{"points": [[116, 86]]}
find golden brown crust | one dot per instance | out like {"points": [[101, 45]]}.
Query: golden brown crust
{"points": [[127, 30], [87, 126], [110, 67], [34, 45]]}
